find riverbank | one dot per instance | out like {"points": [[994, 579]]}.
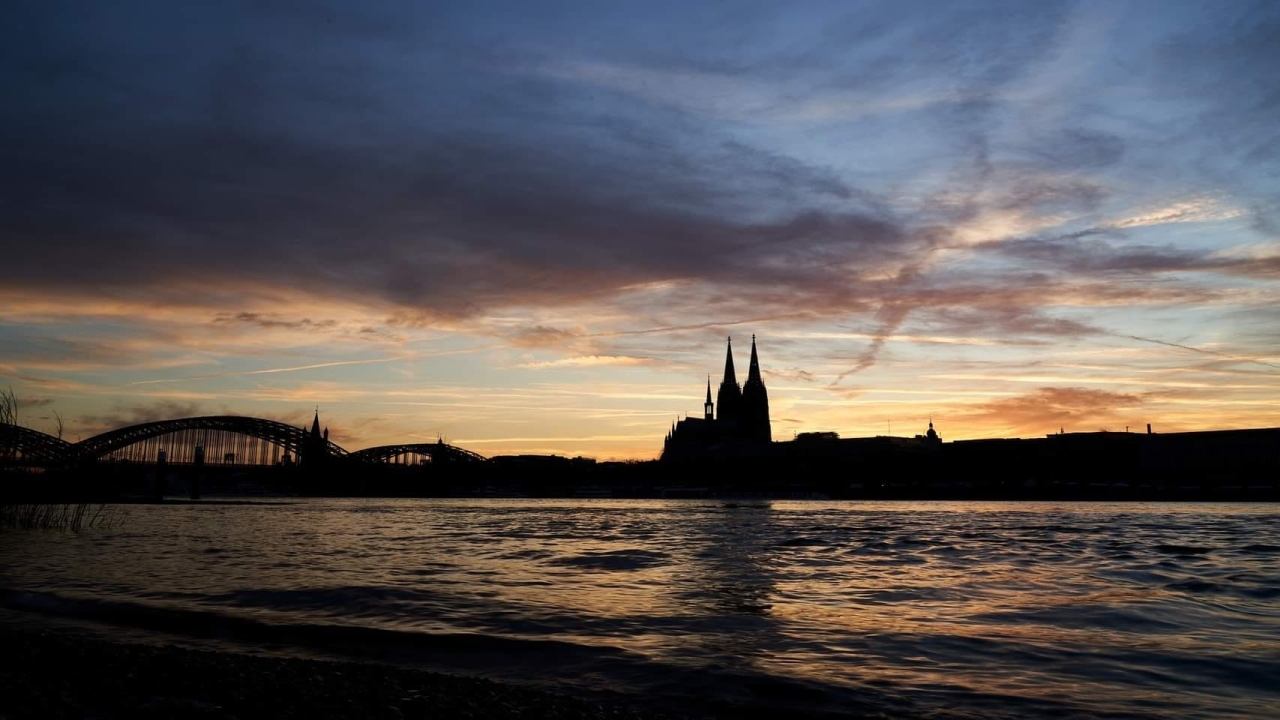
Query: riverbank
{"points": [[61, 672], [57, 672]]}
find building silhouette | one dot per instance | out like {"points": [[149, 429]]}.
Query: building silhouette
{"points": [[729, 398], [754, 418], [931, 438], [739, 415], [315, 449]]}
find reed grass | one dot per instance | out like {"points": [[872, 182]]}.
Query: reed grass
{"points": [[73, 517]]}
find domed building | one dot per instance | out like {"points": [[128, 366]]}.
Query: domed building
{"points": [[931, 438]]}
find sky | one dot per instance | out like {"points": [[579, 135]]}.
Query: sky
{"points": [[530, 227]]}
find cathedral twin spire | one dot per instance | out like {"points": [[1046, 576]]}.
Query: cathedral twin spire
{"points": [[740, 413], [747, 406]]}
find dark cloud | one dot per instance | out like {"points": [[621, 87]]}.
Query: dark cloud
{"points": [[540, 336], [1088, 254], [385, 155], [253, 161], [271, 321], [1031, 192], [460, 224], [1091, 256], [1266, 268], [296, 418], [125, 415]]}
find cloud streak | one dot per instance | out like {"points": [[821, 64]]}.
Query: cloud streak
{"points": [[269, 371], [364, 196]]}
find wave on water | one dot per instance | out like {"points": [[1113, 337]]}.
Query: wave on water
{"points": [[558, 663], [613, 560], [912, 609], [361, 641], [1183, 549]]}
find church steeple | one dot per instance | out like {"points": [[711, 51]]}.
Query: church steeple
{"points": [[708, 407], [313, 448], [729, 398], [730, 377], [753, 373], [755, 403]]}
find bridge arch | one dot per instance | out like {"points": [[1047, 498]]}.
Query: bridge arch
{"points": [[437, 451], [212, 432], [24, 446]]}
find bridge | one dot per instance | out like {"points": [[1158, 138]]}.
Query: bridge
{"points": [[20, 445], [213, 439], [437, 451]]}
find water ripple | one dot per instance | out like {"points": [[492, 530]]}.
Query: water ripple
{"points": [[942, 609]]}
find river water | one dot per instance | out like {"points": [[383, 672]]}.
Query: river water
{"points": [[949, 609]]}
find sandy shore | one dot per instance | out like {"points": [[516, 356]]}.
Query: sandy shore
{"points": [[50, 673]]}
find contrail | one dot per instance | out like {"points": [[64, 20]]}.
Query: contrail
{"points": [[892, 319], [338, 363], [1202, 351], [273, 370]]}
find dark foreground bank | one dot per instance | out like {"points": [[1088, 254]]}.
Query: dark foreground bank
{"points": [[61, 673]]}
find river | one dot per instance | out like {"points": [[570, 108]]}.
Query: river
{"points": [[964, 609]]}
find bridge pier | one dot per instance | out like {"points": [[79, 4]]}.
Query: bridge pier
{"points": [[196, 476], [162, 475]]}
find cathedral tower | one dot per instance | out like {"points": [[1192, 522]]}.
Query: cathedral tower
{"points": [[729, 399], [755, 403], [313, 447]]}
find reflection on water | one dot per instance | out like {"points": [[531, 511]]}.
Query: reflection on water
{"points": [[1055, 609]]}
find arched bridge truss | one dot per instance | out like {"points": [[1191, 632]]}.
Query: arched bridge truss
{"points": [[223, 438], [438, 452], [24, 446], [209, 431]]}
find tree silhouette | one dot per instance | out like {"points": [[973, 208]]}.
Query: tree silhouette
{"points": [[8, 407]]}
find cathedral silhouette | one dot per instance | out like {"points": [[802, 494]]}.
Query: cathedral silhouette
{"points": [[742, 417]]}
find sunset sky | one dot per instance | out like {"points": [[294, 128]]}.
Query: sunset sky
{"points": [[529, 226]]}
